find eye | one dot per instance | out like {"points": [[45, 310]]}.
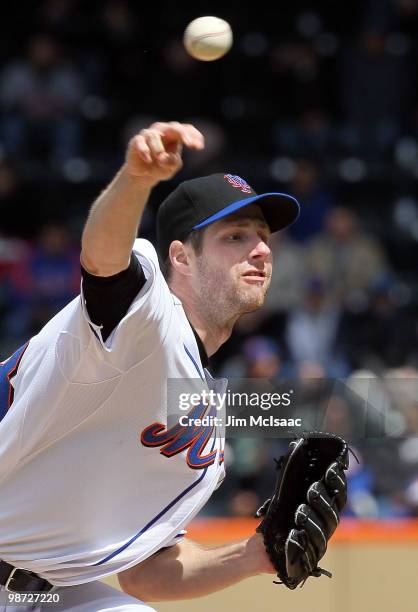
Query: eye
{"points": [[234, 237]]}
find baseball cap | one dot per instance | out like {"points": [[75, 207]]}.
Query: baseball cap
{"points": [[196, 203]]}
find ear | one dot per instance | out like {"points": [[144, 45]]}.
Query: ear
{"points": [[179, 257]]}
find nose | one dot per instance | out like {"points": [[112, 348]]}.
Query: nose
{"points": [[260, 251]]}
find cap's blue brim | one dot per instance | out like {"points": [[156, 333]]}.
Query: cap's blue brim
{"points": [[279, 209]]}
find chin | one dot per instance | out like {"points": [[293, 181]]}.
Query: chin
{"points": [[250, 297], [254, 302]]}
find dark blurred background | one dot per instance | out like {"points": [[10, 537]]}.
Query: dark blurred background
{"points": [[316, 99]]}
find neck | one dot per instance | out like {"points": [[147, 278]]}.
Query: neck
{"points": [[212, 331]]}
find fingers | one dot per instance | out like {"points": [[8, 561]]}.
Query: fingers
{"points": [[142, 148], [320, 501], [336, 483], [184, 133], [150, 146], [307, 519], [300, 557], [154, 142], [163, 142]]}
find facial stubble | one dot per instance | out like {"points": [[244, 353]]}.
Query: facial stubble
{"points": [[221, 298]]}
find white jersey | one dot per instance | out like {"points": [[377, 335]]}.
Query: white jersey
{"points": [[92, 478]]}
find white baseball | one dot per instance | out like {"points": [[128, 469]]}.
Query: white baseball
{"points": [[208, 38]]}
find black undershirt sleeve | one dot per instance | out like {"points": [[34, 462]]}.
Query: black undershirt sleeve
{"points": [[108, 297]]}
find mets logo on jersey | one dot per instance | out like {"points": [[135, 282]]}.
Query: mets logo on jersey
{"points": [[238, 182], [194, 438]]}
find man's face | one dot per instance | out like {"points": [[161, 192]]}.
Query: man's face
{"points": [[233, 272]]}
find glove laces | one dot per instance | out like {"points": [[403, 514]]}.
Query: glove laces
{"points": [[317, 572]]}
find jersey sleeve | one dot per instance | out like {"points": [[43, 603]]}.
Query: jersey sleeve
{"points": [[148, 318], [108, 298]]}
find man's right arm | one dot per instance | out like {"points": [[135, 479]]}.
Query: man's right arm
{"points": [[112, 277], [112, 225], [153, 155]]}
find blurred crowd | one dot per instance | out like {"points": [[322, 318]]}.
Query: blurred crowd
{"points": [[318, 100]]}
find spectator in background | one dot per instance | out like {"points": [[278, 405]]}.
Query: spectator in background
{"points": [[408, 455], [65, 19], [297, 68], [118, 54], [345, 257], [384, 460], [12, 199], [385, 334], [303, 124], [262, 358], [401, 385], [361, 502], [317, 201], [39, 102], [118, 22], [314, 332], [374, 94], [379, 415], [42, 282], [11, 252], [288, 276], [249, 461], [257, 357], [392, 454], [16, 195]]}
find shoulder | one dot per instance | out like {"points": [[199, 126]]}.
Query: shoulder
{"points": [[146, 253]]}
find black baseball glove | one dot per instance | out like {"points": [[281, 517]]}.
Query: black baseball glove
{"points": [[302, 515]]}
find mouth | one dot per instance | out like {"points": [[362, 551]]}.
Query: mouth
{"points": [[254, 276]]}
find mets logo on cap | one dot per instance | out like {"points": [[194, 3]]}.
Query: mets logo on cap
{"points": [[238, 183]]}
